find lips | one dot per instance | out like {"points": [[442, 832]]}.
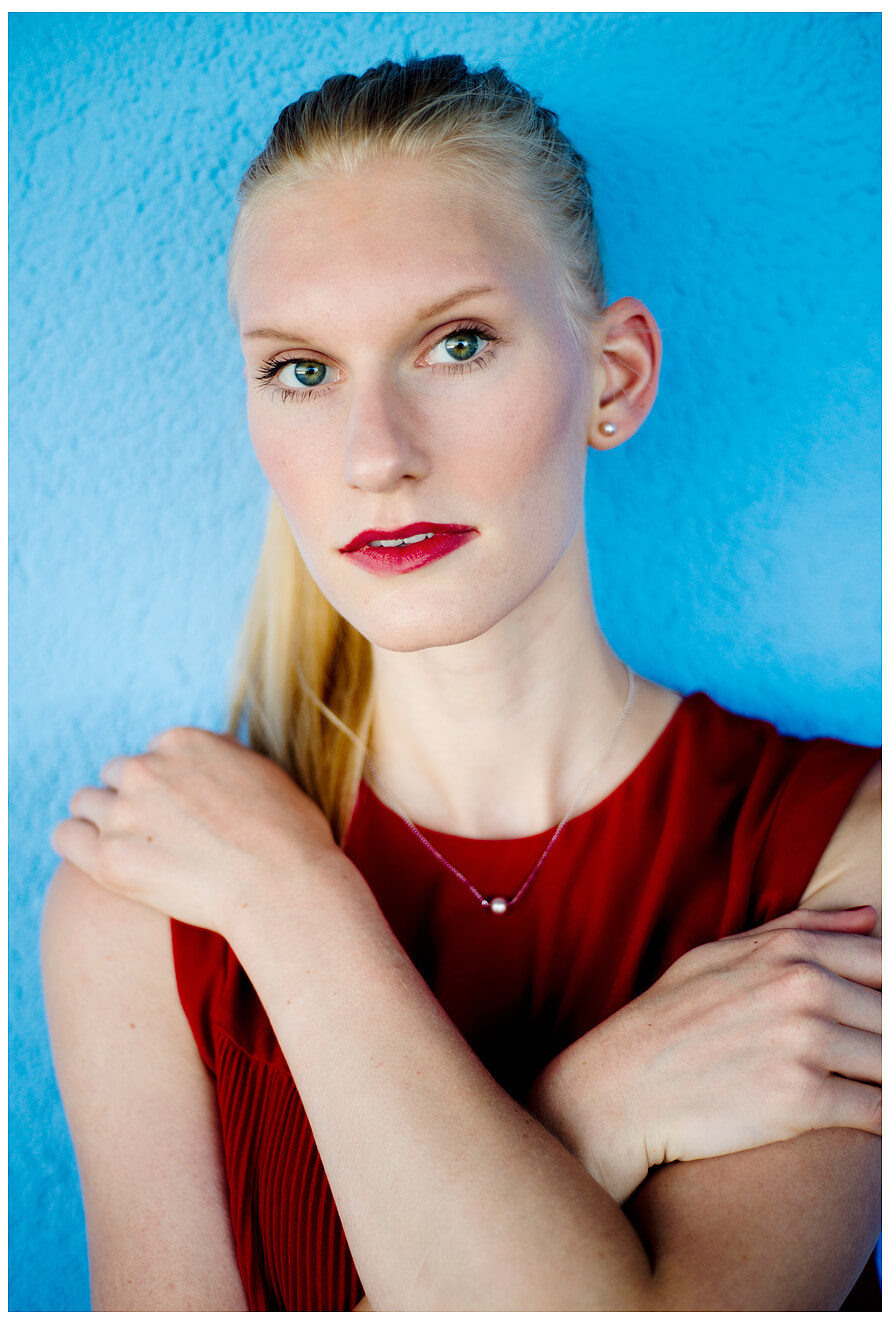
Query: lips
{"points": [[395, 551], [405, 532]]}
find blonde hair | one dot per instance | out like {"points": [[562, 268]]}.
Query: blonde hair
{"points": [[304, 680]]}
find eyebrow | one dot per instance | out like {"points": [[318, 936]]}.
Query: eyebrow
{"points": [[431, 311], [470, 292]]}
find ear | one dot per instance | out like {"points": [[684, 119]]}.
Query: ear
{"points": [[628, 345]]}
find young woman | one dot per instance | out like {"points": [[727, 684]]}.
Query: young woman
{"points": [[446, 1067]]}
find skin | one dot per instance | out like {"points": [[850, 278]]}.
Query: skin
{"points": [[492, 659], [452, 1196], [500, 445]]}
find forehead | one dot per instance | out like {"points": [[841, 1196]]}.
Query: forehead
{"points": [[400, 233]]}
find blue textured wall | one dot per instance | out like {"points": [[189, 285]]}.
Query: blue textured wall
{"points": [[735, 540]]}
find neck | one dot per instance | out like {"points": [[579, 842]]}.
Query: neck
{"points": [[494, 738]]}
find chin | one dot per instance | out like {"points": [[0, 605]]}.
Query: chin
{"points": [[431, 627]]}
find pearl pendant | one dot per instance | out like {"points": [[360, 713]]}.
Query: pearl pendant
{"points": [[498, 905]]}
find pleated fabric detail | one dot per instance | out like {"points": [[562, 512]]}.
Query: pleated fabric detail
{"points": [[293, 1254], [719, 828]]}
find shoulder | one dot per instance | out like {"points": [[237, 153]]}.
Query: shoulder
{"points": [[780, 781], [796, 814], [74, 899], [849, 871], [99, 948], [109, 991], [140, 1105], [110, 994]]}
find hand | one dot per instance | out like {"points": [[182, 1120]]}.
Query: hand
{"points": [[745, 1041], [195, 828]]}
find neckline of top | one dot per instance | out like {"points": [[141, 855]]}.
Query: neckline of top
{"points": [[441, 836]]}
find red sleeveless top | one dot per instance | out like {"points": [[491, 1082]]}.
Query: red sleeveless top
{"points": [[719, 828]]}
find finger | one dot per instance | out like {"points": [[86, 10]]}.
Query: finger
{"points": [[851, 920], [177, 736], [855, 1054], [92, 803], [854, 1004], [856, 958], [110, 773], [77, 841], [858, 919], [846, 1104]]}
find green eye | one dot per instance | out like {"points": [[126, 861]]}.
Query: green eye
{"points": [[298, 377], [462, 345], [308, 372]]}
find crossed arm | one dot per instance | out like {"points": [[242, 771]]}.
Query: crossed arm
{"points": [[453, 1198]]}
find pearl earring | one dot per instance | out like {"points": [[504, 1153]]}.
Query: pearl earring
{"points": [[607, 428]]}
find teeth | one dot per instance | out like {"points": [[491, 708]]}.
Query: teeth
{"points": [[398, 543]]}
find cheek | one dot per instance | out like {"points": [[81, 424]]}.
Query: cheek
{"points": [[271, 438], [282, 458], [530, 442], [287, 455]]}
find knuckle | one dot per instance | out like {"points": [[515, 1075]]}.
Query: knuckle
{"points": [[137, 772], [691, 965], [811, 943], [688, 961], [802, 984], [175, 739], [784, 944]]}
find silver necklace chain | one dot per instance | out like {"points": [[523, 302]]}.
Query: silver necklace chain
{"points": [[498, 906]]}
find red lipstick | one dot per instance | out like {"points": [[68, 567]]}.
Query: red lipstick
{"points": [[387, 552]]}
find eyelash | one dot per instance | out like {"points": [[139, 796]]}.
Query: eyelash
{"points": [[270, 367]]}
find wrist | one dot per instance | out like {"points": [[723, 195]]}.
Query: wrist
{"points": [[576, 1099], [291, 896]]}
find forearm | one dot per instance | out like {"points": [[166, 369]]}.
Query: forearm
{"points": [[451, 1195], [592, 1127]]}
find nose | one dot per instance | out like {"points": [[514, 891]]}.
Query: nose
{"points": [[382, 446]]}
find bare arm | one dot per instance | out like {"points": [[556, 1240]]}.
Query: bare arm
{"points": [[452, 1195], [139, 1104], [782, 1228], [786, 1226], [848, 873]]}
